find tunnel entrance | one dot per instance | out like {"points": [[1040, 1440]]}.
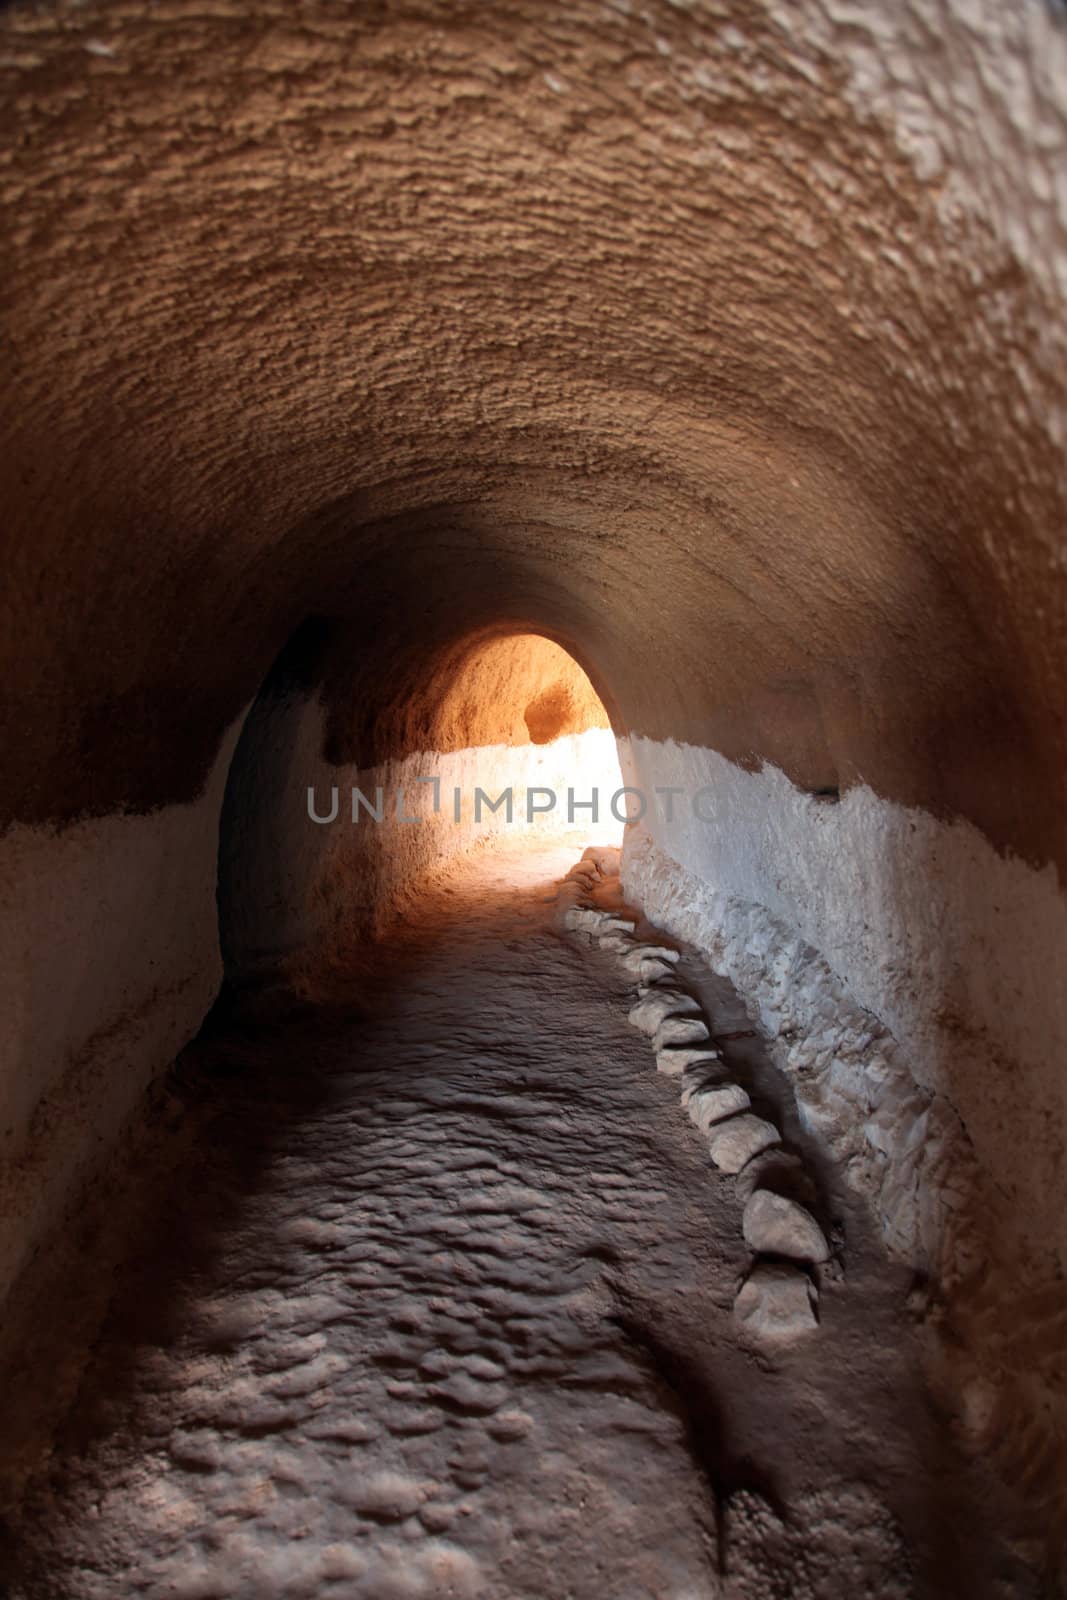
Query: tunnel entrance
{"points": [[526, 699], [342, 799]]}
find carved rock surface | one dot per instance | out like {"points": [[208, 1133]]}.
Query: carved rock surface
{"points": [[724, 341]]}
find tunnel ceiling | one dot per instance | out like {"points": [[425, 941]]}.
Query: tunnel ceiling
{"points": [[422, 321]]}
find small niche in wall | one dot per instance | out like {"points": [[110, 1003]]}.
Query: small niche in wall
{"points": [[828, 796]]}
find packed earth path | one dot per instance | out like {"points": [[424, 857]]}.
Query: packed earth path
{"points": [[440, 1303]]}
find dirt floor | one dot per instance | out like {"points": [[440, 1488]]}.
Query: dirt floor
{"points": [[439, 1303]]}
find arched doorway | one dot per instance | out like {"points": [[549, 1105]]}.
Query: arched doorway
{"points": [[505, 736]]}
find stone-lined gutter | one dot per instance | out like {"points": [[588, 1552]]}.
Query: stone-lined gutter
{"points": [[992, 1323], [778, 1298]]}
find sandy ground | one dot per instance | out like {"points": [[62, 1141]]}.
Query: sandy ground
{"points": [[440, 1304]]}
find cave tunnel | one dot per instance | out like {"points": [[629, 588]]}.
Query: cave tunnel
{"points": [[419, 415]]}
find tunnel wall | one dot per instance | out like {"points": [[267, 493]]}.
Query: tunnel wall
{"points": [[948, 946], [726, 342], [109, 959], [908, 979]]}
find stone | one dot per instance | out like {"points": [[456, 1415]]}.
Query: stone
{"points": [[604, 859], [698, 1076], [779, 584], [648, 952], [582, 919], [674, 1062], [774, 1168], [775, 1226], [680, 1030], [715, 1103], [733, 1143], [652, 971], [648, 1013], [776, 1302]]}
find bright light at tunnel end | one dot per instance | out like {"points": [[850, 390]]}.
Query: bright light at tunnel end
{"points": [[627, 805]]}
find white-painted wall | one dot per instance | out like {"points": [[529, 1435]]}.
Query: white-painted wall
{"points": [[109, 932], [911, 976], [109, 959]]}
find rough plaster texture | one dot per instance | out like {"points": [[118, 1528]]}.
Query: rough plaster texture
{"points": [[426, 320], [109, 958], [946, 945], [900, 969], [723, 343]]}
